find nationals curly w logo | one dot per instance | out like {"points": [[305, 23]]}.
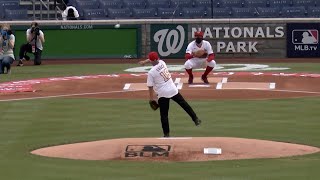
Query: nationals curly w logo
{"points": [[168, 40]]}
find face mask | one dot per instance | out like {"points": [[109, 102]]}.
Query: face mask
{"points": [[198, 40]]}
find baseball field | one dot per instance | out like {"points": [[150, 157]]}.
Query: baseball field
{"points": [[65, 111]]}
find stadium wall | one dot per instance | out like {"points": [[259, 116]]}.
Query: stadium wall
{"points": [[240, 38]]}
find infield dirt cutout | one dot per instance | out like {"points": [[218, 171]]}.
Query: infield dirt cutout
{"points": [[245, 86]]}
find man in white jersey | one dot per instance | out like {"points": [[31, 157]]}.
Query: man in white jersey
{"points": [[34, 45], [193, 61], [160, 81], [7, 40]]}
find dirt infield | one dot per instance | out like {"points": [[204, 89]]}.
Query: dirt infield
{"points": [[222, 86], [175, 149]]}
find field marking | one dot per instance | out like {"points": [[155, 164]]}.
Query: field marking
{"points": [[179, 85], [177, 80], [126, 86], [67, 95], [245, 85], [272, 85]]}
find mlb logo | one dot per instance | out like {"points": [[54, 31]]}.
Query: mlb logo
{"points": [[305, 36]]}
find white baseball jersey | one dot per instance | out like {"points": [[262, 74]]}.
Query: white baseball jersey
{"points": [[64, 14], [39, 43], [196, 62], [160, 79], [193, 47], [5, 49]]}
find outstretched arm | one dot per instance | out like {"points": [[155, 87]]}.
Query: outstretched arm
{"points": [[143, 62]]}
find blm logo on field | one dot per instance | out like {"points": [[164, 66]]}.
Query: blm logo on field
{"points": [[152, 151]]}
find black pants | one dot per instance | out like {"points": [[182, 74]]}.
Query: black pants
{"points": [[27, 48], [164, 109]]}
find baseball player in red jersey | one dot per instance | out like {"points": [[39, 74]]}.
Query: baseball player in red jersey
{"points": [[159, 80], [199, 53]]}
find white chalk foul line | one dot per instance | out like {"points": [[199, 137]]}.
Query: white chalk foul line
{"points": [[66, 95]]}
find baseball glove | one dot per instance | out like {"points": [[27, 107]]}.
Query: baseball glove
{"points": [[201, 53], [153, 104]]}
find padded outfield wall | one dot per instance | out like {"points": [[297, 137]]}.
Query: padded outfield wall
{"points": [[241, 38]]}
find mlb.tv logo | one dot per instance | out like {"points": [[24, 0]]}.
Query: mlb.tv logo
{"points": [[305, 36]]}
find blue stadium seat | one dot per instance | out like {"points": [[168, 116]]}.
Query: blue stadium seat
{"points": [[7, 5], [314, 12], [294, 12], [242, 12], [280, 3], [148, 13], [256, 3], [230, 3], [123, 13], [194, 13], [93, 14], [203, 3], [11, 15], [169, 13], [221, 13], [181, 3], [268, 12], [104, 4], [86, 4], [304, 3], [158, 3], [134, 3]]}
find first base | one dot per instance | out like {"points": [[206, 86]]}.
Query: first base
{"points": [[212, 151]]}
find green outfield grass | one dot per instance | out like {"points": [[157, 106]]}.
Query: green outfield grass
{"points": [[28, 125]]}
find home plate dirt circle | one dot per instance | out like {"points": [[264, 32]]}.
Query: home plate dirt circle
{"points": [[175, 149]]}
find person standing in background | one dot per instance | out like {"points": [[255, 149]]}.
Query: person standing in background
{"points": [[7, 40]]}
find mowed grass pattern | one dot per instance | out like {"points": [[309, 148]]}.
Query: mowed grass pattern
{"points": [[28, 125]]}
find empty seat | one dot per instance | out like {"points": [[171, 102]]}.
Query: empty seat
{"points": [[8, 5], [242, 12], [193, 13], [134, 3], [256, 3], [230, 3], [304, 3], [280, 3], [203, 3], [123, 13], [268, 12], [313, 12], [104, 4], [12, 15], [293, 12], [158, 3], [181, 3], [91, 14], [144, 13], [169, 13], [221, 13], [86, 4]]}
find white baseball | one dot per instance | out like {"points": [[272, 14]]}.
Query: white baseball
{"points": [[117, 26]]}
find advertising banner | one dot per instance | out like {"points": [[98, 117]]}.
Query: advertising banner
{"points": [[169, 40], [303, 40], [86, 41]]}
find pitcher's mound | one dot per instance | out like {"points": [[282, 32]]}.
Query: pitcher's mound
{"points": [[175, 149]]}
